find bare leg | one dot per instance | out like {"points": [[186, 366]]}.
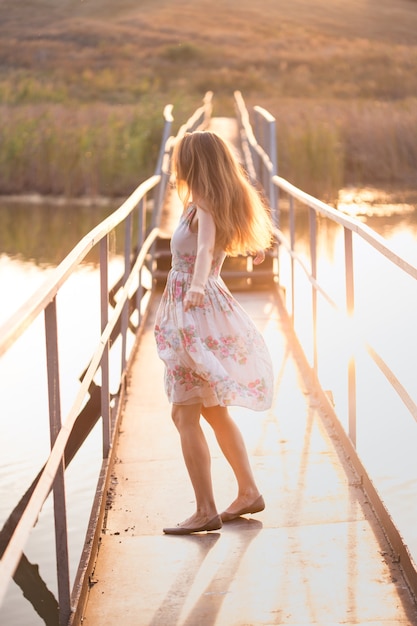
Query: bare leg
{"points": [[233, 447], [197, 459]]}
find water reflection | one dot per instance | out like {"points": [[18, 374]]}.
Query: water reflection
{"points": [[371, 202], [18, 280], [45, 234]]}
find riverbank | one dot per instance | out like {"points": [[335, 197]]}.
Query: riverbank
{"points": [[358, 201], [36, 199]]}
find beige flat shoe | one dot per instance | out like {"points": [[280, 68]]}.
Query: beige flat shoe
{"points": [[256, 506], [213, 524]]}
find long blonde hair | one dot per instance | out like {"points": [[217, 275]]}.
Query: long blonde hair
{"points": [[207, 171]]}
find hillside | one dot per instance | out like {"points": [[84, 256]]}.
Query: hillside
{"points": [[92, 49], [342, 65]]}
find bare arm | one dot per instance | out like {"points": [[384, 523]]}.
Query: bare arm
{"points": [[205, 249]]}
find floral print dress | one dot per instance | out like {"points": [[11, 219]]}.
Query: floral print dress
{"points": [[213, 354]]}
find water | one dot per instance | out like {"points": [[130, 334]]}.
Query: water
{"points": [[34, 238]]}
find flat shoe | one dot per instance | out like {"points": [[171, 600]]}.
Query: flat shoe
{"points": [[256, 506], [213, 524]]}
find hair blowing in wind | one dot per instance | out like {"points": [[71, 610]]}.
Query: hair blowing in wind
{"points": [[208, 174]]}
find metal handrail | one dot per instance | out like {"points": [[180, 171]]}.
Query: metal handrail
{"points": [[28, 312], [198, 120], [44, 300], [351, 227], [259, 150], [261, 142], [169, 119], [376, 241]]}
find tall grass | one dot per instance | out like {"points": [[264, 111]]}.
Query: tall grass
{"points": [[381, 143], [315, 159], [325, 146], [73, 151], [102, 150]]}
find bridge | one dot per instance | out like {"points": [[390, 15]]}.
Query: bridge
{"points": [[327, 549]]}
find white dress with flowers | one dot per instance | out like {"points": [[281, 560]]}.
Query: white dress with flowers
{"points": [[213, 354]]}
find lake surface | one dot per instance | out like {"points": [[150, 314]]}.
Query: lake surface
{"points": [[34, 238]]}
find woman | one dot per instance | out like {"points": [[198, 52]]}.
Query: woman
{"points": [[214, 355]]}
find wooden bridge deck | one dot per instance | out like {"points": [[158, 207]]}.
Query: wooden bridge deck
{"points": [[316, 555]]}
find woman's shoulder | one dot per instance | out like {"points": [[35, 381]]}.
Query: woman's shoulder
{"points": [[189, 213], [190, 208], [194, 208], [192, 213]]}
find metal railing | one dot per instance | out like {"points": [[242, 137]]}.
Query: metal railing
{"points": [[259, 150], [131, 297], [350, 227], [346, 319], [123, 307], [199, 120], [261, 156]]}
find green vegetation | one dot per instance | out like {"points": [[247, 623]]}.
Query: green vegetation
{"points": [[77, 150], [83, 84]]}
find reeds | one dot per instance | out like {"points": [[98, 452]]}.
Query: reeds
{"points": [[102, 150], [74, 151], [323, 147]]}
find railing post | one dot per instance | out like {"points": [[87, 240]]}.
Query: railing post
{"points": [[263, 142], [265, 133], [165, 134], [258, 136], [273, 190], [313, 256], [165, 174], [60, 513], [125, 314], [350, 308], [104, 311], [292, 243], [208, 107], [140, 240]]}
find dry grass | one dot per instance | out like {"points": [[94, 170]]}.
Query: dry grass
{"points": [[93, 150], [338, 76]]}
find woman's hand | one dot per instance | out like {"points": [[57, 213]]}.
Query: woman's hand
{"points": [[193, 298], [259, 258]]}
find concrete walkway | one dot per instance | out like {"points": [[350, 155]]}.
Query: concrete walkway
{"points": [[316, 555]]}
